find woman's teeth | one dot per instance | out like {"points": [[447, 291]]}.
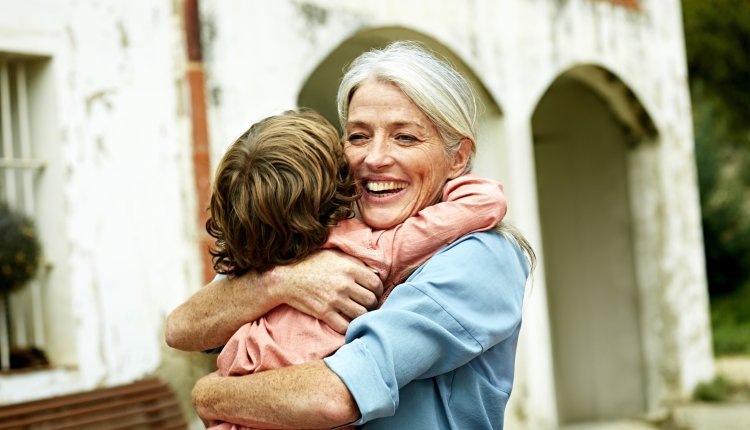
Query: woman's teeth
{"points": [[384, 187]]}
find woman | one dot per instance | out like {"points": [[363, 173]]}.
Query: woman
{"points": [[440, 352]]}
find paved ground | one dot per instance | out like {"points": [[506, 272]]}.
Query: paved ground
{"points": [[723, 416], [713, 417], [698, 415], [694, 416], [736, 369]]}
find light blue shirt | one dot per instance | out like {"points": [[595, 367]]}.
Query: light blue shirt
{"points": [[440, 353]]}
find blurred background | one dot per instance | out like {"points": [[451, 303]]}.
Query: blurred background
{"points": [[617, 127], [719, 85]]}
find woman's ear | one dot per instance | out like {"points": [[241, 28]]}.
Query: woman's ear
{"points": [[460, 158]]}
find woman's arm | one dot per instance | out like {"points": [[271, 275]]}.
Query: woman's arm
{"points": [[303, 396], [328, 285], [466, 299], [210, 317]]}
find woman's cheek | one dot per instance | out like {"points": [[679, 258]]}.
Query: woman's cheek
{"points": [[353, 155]]}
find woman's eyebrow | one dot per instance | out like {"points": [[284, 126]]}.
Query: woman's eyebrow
{"points": [[356, 124], [364, 124], [409, 123]]}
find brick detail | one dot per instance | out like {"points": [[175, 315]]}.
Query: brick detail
{"points": [[201, 161], [630, 4]]}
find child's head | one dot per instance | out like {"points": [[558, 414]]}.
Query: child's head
{"points": [[277, 191]]}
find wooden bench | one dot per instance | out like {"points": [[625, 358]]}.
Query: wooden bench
{"points": [[147, 404]]}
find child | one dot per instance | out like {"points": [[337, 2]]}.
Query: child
{"points": [[284, 190]]}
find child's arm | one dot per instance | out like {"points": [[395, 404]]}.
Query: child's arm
{"points": [[470, 204]]}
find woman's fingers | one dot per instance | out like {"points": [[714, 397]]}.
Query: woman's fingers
{"points": [[331, 286], [354, 289], [372, 288], [336, 321]]}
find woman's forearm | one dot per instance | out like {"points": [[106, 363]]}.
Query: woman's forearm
{"points": [[305, 396], [327, 285], [210, 317]]}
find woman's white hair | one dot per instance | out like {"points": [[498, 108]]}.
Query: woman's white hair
{"points": [[436, 88], [442, 93]]}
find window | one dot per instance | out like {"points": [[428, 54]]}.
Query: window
{"points": [[22, 337]]}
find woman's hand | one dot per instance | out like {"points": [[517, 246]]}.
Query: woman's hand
{"points": [[330, 286]]}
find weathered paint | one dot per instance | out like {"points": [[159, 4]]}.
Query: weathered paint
{"points": [[116, 199]]}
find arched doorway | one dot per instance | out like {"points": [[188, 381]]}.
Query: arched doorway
{"points": [[319, 91], [585, 128]]}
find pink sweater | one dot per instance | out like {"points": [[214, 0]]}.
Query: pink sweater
{"points": [[286, 336]]}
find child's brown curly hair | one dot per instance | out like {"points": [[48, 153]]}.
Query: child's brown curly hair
{"points": [[277, 191]]}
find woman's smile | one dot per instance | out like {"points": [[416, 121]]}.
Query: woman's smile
{"points": [[382, 188]]}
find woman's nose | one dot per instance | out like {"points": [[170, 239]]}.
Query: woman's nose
{"points": [[378, 154]]}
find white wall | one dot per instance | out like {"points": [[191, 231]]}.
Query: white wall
{"points": [[117, 199]]}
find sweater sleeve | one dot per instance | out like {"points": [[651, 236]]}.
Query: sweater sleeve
{"points": [[469, 204], [282, 337], [464, 300]]}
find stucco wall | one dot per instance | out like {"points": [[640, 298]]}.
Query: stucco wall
{"points": [[116, 197]]}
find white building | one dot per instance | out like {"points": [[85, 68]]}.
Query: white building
{"points": [[586, 121]]}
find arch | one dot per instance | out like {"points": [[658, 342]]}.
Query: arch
{"points": [[617, 95], [328, 73], [587, 127], [319, 90]]}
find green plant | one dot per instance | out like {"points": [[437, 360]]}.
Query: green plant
{"points": [[721, 389], [719, 82], [20, 251], [716, 390], [730, 321]]}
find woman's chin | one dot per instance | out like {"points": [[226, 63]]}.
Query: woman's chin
{"points": [[382, 219], [385, 211]]}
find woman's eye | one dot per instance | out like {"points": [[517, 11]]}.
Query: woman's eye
{"points": [[406, 138], [355, 138]]}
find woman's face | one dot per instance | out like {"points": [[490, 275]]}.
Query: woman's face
{"points": [[396, 154]]}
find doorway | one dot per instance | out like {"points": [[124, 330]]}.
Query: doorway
{"points": [[581, 152]]}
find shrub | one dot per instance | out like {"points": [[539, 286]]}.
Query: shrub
{"points": [[20, 251], [717, 390]]}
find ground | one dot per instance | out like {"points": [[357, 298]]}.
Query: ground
{"points": [[730, 415]]}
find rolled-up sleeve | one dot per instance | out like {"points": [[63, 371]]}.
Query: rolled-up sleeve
{"points": [[464, 300]]}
